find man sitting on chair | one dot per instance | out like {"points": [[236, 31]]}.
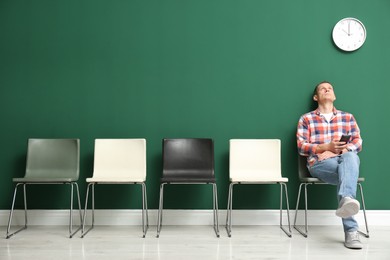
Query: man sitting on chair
{"points": [[331, 160]]}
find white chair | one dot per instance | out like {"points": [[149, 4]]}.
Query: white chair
{"points": [[118, 161], [256, 161]]}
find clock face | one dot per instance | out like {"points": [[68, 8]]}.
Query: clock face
{"points": [[349, 34]]}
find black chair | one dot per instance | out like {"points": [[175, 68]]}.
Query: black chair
{"points": [[306, 179], [188, 161]]}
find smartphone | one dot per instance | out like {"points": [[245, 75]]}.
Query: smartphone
{"points": [[345, 138]]}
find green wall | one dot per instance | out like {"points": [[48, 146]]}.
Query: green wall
{"points": [[186, 68]]}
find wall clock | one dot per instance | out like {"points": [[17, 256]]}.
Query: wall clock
{"points": [[349, 34]]}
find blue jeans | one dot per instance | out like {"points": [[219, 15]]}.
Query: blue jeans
{"points": [[343, 171]]}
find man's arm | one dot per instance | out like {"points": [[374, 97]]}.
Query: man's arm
{"points": [[356, 141], [305, 148]]}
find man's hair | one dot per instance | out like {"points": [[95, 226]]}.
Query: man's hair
{"points": [[315, 89]]}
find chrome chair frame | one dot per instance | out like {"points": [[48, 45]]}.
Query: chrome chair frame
{"points": [[215, 206], [145, 218], [230, 207], [71, 232]]}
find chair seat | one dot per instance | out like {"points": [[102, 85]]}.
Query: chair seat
{"points": [[316, 180], [258, 180], [187, 180], [115, 180], [43, 180]]}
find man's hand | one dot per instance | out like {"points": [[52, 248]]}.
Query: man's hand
{"points": [[325, 155], [329, 154], [337, 147]]}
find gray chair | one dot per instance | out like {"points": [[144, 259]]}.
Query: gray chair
{"points": [[50, 161], [188, 161], [306, 179]]}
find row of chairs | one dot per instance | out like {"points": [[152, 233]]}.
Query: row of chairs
{"points": [[185, 161]]}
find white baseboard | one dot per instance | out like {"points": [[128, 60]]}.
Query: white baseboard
{"points": [[190, 217]]}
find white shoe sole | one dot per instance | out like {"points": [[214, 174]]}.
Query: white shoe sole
{"points": [[348, 209], [353, 245]]}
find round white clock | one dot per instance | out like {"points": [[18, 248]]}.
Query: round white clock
{"points": [[349, 34]]}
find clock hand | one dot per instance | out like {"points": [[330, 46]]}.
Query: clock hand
{"points": [[349, 23]]}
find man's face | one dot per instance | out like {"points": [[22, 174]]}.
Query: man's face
{"points": [[324, 93]]}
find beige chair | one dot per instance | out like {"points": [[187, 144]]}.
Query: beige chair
{"points": [[256, 161], [118, 161], [306, 179]]}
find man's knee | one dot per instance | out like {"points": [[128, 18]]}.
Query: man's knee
{"points": [[351, 156]]}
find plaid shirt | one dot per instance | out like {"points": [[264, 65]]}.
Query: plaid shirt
{"points": [[313, 129]]}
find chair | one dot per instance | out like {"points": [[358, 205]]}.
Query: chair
{"points": [[118, 161], [188, 161], [256, 161], [306, 179], [50, 161]]}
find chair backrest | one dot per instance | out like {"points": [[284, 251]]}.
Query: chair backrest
{"points": [[53, 158], [254, 158], [120, 158], [192, 158], [302, 168]]}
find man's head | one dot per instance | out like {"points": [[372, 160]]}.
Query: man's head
{"points": [[324, 92]]}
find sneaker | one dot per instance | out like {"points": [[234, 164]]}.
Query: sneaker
{"points": [[352, 240], [348, 207]]}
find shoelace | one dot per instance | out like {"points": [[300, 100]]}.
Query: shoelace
{"points": [[354, 237]]}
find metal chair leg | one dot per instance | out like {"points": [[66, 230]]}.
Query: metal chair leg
{"points": [[229, 211], [288, 232], [145, 221], [364, 212], [215, 209], [71, 210], [306, 205], [297, 205], [159, 219], [8, 235], [146, 206], [79, 201], [297, 209], [83, 232]]}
